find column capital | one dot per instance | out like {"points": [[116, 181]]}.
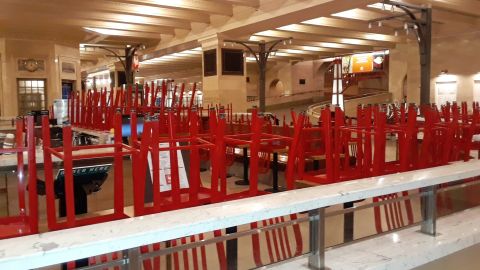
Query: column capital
{"points": [[210, 42]]}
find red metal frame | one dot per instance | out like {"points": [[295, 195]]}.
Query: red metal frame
{"points": [[277, 241], [66, 153], [176, 198], [26, 222], [393, 212]]}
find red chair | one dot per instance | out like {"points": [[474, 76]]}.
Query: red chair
{"points": [[26, 221], [175, 196], [394, 214], [279, 243], [179, 197], [194, 258], [69, 153]]}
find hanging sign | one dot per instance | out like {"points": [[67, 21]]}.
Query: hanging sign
{"points": [[362, 63]]}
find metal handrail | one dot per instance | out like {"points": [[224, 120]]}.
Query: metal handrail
{"points": [[61, 246]]}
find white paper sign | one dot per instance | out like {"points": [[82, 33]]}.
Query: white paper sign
{"points": [[445, 92], [476, 91], [165, 172]]}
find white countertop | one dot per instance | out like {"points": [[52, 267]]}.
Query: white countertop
{"points": [[11, 159], [53, 247], [405, 249]]}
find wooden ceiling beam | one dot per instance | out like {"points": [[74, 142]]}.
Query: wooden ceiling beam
{"points": [[336, 32], [125, 33], [327, 45], [362, 14], [318, 38], [348, 24], [59, 6], [43, 19], [316, 49], [208, 7], [125, 18], [245, 3]]}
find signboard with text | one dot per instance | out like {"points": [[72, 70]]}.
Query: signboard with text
{"points": [[165, 171]]}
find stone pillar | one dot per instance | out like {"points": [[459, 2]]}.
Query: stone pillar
{"points": [[217, 87]]}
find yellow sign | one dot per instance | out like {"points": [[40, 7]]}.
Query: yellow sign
{"points": [[362, 63]]}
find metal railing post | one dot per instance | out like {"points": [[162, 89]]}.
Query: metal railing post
{"points": [[429, 211], [316, 260], [133, 259]]}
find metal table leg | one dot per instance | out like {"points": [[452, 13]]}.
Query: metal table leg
{"points": [[275, 187], [244, 181]]}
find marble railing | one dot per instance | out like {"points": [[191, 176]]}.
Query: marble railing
{"points": [[61, 246]]}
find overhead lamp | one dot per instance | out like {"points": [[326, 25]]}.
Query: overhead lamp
{"points": [[396, 33], [224, 44], [405, 26], [290, 41], [284, 42], [379, 23], [369, 25]]}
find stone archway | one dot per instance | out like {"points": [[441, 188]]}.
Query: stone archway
{"points": [[276, 88]]}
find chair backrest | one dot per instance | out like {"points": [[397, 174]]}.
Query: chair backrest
{"points": [[392, 215], [174, 188], [194, 258], [281, 243], [66, 153], [26, 220]]}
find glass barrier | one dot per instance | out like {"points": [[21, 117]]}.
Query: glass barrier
{"points": [[278, 239]]}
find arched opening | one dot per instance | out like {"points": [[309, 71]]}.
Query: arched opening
{"points": [[276, 88]]}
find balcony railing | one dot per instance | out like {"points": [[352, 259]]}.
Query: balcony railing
{"points": [[128, 235]]}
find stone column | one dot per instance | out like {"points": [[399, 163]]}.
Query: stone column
{"points": [[219, 88]]}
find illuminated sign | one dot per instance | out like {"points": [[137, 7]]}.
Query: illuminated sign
{"points": [[362, 63]]}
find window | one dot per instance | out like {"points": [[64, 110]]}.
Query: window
{"points": [[232, 62], [31, 95], [210, 63]]}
